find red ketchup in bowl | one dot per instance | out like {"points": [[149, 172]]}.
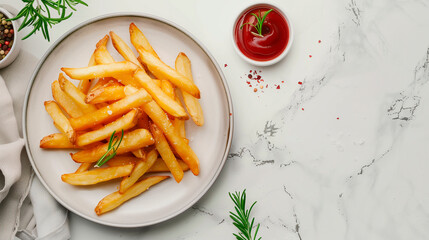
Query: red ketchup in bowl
{"points": [[274, 35]]}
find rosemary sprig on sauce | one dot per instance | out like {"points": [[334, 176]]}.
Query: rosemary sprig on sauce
{"points": [[37, 13], [241, 217], [261, 20], [114, 143]]}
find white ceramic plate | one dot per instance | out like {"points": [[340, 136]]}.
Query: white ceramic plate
{"points": [[211, 142]]}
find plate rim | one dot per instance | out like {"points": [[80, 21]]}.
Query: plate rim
{"points": [[224, 85]]}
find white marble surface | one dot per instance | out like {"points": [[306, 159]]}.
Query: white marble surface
{"points": [[342, 156]]}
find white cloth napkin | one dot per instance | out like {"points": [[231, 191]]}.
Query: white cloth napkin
{"points": [[10, 143], [37, 216]]}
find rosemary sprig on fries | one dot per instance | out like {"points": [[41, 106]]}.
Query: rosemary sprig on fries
{"points": [[114, 143]]}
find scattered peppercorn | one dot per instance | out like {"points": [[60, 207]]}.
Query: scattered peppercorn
{"points": [[6, 36]]}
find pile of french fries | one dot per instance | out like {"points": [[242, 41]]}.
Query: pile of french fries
{"points": [[138, 97]]}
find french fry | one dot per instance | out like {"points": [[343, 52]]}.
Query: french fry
{"points": [[139, 153], [60, 141], [101, 55], [165, 102], [57, 141], [105, 82], [183, 66], [160, 166], [125, 122], [124, 49], [168, 88], [85, 85], [65, 102], [163, 71], [97, 175], [143, 121], [105, 94], [179, 124], [115, 199], [132, 140], [60, 120], [74, 93], [122, 160], [110, 112], [167, 155], [83, 167], [138, 39], [177, 142], [102, 70], [157, 82], [140, 168]]}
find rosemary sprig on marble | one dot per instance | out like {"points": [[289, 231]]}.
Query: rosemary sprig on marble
{"points": [[114, 143], [37, 13], [241, 217]]}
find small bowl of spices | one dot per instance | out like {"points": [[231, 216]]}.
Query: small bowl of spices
{"points": [[9, 41]]}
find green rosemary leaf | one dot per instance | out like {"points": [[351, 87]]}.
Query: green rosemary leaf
{"points": [[260, 22], [39, 16], [241, 217], [112, 147]]}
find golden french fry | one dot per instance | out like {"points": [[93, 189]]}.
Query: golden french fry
{"points": [[165, 102], [139, 153], [125, 122], [124, 49], [179, 124], [163, 71], [74, 93], [157, 82], [178, 143], [143, 121], [97, 175], [105, 94], [105, 82], [122, 160], [57, 141], [132, 140], [61, 141], [183, 66], [138, 39], [101, 54], [85, 85], [168, 88], [60, 120], [140, 168], [84, 167], [65, 102], [166, 153], [110, 112], [115, 199], [102, 70], [160, 166]]}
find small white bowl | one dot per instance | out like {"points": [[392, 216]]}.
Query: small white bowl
{"points": [[285, 51], [13, 53]]}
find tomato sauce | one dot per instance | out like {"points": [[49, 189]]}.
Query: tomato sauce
{"points": [[275, 34]]}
